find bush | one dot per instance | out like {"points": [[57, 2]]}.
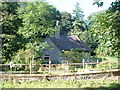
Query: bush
{"points": [[95, 58], [75, 56]]}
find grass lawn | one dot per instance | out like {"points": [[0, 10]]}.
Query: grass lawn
{"points": [[108, 83]]}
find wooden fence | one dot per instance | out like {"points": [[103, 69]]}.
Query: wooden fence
{"points": [[79, 76], [53, 68]]}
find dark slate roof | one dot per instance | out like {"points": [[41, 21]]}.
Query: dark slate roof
{"points": [[68, 42]]}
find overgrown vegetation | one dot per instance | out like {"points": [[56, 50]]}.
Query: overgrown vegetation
{"points": [[106, 28], [74, 56], [108, 63], [98, 64], [108, 84], [25, 25]]}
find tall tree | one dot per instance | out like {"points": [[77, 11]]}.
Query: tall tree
{"points": [[39, 20], [78, 24], [106, 27], [10, 24], [78, 12], [66, 22]]}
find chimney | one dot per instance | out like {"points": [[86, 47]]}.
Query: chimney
{"points": [[57, 33]]}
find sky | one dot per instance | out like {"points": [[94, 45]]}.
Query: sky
{"points": [[86, 5]]}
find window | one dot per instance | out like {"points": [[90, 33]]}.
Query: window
{"points": [[46, 57]]}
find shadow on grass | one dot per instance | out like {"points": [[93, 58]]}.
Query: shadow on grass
{"points": [[113, 86]]}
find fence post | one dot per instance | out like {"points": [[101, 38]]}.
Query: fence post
{"points": [[30, 66], [49, 65], [109, 65], [97, 63], [11, 66], [67, 66], [110, 68], [83, 64], [11, 70]]}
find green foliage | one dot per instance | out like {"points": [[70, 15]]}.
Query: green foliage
{"points": [[24, 27], [77, 12], [79, 24], [78, 27], [23, 57], [73, 24], [115, 6], [87, 84], [32, 51], [89, 39], [104, 27], [66, 22], [108, 63], [75, 56], [99, 3], [114, 85], [95, 59], [38, 19], [10, 20], [10, 24]]}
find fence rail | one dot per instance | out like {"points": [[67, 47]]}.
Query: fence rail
{"points": [[54, 68], [63, 63], [82, 75]]}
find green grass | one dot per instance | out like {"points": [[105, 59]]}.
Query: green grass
{"points": [[109, 63], [109, 58], [61, 84]]}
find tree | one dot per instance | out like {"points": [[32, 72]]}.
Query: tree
{"points": [[9, 17], [79, 24], [78, 12], [91, 40], [99, 3], [75, 56], [106, 27], [115, 6], [39, 19], [11, 42], [66, 22]]}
